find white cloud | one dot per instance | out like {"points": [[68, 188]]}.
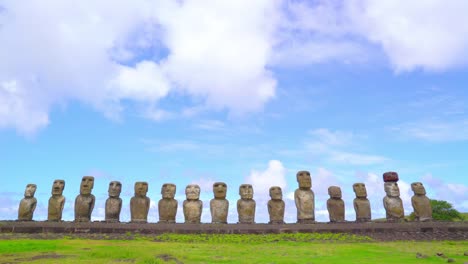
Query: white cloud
{"points": [[434, 130], [333, 146], [274, 175]]}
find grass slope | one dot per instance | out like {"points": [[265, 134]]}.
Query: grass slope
{"points": [[280, 248]]}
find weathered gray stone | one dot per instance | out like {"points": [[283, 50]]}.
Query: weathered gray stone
{"points": [[361, 203], [56, 201], [139, 204], [219, 206], [421, 204], [27, 204], [276, 206], [335, 205], [246, 205], [392, 203], [84, 202], [167, 206], [114, 203], [304, 198], [193, 207]]}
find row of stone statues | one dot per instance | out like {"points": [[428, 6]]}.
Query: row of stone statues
{"points": [[219, 206]]}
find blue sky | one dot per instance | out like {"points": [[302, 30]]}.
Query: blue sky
{"points": [[234, 91]]}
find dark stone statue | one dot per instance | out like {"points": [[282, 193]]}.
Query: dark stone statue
{"points": [[27, 204], [114, 203], [192, 205], [392, 203], [56, 201], [140, 204], [305, 199], [276, 206], [84, 202], [219, 206], [421, 204], [246, 205], [335, 205], [167, 206], [361, 203]]}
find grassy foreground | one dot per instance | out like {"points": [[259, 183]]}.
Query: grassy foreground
{"points": [[273, 248]]}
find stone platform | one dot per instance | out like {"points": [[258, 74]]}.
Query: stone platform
{"points": [[377, 230]]}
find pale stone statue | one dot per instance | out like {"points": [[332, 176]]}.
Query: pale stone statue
{"points": [[27, 204], [140, 204], [56, 201], [393, 203], [305, 199], [167, 206], [114, 203], [335, 205], [361, 203], [276, 206], [219, 206], [246, 205], [84, 202], [192, 205], [421, 204]]}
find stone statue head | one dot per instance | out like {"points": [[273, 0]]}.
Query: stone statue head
{"points": [[192, 192], [246, 191], [57, 187], [391, 189], [304, 180], [30, 190], [418, 188], [141, 188], [219, 190], [360, 190], [276, 193], [168, 190], [334, 192], [115, 187], [87, 184]]}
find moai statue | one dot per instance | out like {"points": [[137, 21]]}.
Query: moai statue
{"points": [[305, 199], [421, 204], [246, 205], [27, 204], [192, 205], [335, 205], [140, 203], [276, 206], [84, 202], [167, 206], [114, 203], [219, 206], [392, 202], [56, 201], [361, 203]]}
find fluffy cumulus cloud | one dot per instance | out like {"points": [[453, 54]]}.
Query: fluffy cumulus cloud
{"points": [[220, 54], [273, 175]]}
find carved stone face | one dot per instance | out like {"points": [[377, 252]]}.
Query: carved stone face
{"points": [[141, 188], [360, 190], [57, 187], [276, 193], [304, 180], [87, 184], [115, 187], [219, 190], [30, 190], [391, 189], [246, 191], [418, 188], [334, 191], [192, 192], [168, 191]]}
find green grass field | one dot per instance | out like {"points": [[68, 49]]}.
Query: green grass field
{"points": [[273, 248]]}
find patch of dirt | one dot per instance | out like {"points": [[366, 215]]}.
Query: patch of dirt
{"points": [[44, 256], [167, 258]]}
